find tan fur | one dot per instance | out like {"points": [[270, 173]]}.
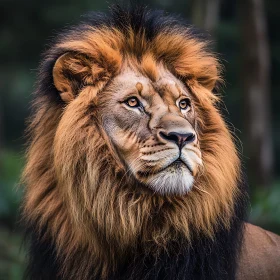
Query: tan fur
{"points": [[260, 255], [78, 186]]}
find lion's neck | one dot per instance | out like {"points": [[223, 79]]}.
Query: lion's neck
{"points": [[137, 235], [204, 258], [147, 236]]}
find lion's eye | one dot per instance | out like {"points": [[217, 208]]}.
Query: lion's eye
{"points": [[184, 104], [133, 102]]}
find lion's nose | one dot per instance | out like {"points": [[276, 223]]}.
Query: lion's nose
{"points": [[178, 138]]}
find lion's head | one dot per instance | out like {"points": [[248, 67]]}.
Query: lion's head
{"points": [[127, 144], [149, 124]]}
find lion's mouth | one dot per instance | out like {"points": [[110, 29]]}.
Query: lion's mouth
{"points": [[176, 164]]}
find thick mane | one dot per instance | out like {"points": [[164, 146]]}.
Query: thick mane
{"points": [[86, 216]]}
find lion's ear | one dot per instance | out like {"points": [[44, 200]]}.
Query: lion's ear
{"points": [[211, 77], [71, 73]]}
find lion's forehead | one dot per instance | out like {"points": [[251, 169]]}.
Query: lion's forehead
{"points": [[167, 87]]}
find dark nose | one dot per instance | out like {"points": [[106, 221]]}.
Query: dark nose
{"points": [[178, 138]]}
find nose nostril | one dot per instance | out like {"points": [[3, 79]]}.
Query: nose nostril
{"points": [[169, 137], [178, 138], [190, 138]]}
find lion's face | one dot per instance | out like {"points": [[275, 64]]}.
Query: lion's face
{"points": [[151, 125]]}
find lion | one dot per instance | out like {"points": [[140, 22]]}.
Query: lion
{"points": [[131, 171]]}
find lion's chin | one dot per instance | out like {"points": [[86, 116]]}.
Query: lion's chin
{"points": [[171, 181]]}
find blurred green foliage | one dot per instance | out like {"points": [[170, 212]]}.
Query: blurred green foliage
{"points": [[11, 165], [12, 258], [265, 208]]}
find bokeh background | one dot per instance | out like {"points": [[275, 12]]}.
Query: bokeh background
{"points": [[246, 36]]}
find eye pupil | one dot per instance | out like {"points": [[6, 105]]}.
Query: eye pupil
{"points": [[184, 104], [133, 102]]}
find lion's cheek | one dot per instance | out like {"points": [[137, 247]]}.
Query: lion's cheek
{"points": [[125, 143]]}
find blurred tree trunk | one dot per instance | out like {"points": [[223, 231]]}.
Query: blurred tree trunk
{"points": [[1, 128], [205, 14], [1, 136], [256, 88]]}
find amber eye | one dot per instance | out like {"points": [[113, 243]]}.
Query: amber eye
{"points": [[132, 102], [184, 104]]}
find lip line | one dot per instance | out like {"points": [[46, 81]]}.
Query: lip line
{"points": [[162, 169], [179, 158]]}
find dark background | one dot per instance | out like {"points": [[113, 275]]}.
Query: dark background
{"points": [[246, 36]]}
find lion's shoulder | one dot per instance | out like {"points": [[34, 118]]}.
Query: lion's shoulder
{"points": [[260, 255]]}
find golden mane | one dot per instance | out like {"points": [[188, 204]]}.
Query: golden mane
{"points": [[78, 193]]}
